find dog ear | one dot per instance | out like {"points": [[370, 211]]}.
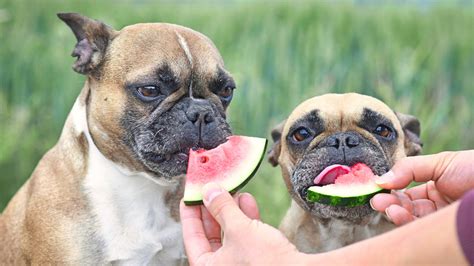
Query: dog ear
{"points": [[411, 129], [274, 151], [92, 37]]}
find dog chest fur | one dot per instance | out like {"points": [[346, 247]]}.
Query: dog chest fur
{"points": [[134, 222]]}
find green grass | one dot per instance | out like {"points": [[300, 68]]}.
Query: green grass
{"points": [[419, 60]]}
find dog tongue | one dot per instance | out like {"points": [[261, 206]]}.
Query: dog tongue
{"points": [[343, 174], [330, 173]]}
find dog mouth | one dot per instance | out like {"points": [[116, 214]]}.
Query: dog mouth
{"points": [[338, 173], [166, 165], [329, 174], [358, 172], [335, 174], [169, 164], [324, 169], [181, 155]]}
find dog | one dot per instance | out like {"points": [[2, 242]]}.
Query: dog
{"points": [[340, 129], [109, 190]]}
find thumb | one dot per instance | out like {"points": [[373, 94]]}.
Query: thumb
{"points": [[222, 206], [417, 168]]}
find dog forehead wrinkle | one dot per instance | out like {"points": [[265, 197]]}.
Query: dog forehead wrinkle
{"points": [[373, 118], [166, 74], [312, 119], [184, 45]]}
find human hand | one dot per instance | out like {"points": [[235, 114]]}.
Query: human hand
{"points": [[245, 240], [448, 175]]}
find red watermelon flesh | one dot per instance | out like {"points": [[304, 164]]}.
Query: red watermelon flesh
{"points": [[205, 166], [342, 174], [231, 164]]}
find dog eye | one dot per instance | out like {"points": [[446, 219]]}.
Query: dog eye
{"points": [[383, 131], [301, 134], [148, 92], [226, 93]]}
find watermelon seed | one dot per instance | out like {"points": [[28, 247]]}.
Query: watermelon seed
{"points": [[204, 159]]}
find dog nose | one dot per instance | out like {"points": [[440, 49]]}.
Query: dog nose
{"points": [[347, 139], [352, 141], [199, 111]]}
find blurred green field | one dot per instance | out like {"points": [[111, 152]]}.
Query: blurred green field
{"points": [[418, 59]]}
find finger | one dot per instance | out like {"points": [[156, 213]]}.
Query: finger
{"points": [[417, 192], [248, 205], [382, 201], [222, 206], [399, 215], [435, 196], [212, 229], [236, 198], [416, 168], [428, 191], [195, 240], [405, 201], [422, 207]]}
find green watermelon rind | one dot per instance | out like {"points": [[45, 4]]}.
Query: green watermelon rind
{"points": [[241, 185], [345, 201]]}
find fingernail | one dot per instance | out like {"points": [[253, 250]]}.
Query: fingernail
{"points": [[371, 204], [431, 185], [388, 177], [211, 191], [388, 215]]}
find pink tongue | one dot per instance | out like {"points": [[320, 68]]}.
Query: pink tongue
{"points": [[330, 173]]}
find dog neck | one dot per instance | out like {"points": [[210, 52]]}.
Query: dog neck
{"points": [[336, 233], [131, 208], [314, 235]]}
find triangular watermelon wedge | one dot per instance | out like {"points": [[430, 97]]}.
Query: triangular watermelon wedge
{"points": [[230, 164]]}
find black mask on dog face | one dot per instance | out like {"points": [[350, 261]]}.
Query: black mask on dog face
{"points": [[337, 130]]}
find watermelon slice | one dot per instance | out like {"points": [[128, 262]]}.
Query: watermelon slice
{"points": [[231, 165], [341, 185]]}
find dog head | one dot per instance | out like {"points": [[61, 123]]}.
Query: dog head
{"points": [[340, 129], [155, 90]]}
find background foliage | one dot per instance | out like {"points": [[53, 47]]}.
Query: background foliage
{"points": [[418, 57]]}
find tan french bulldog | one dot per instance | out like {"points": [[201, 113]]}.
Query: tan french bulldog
{"points": [[342, 129], [109, 190]]}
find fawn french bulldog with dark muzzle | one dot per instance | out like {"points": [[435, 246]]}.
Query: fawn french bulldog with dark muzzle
{"points": [[337, 129], [109, 190]]}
